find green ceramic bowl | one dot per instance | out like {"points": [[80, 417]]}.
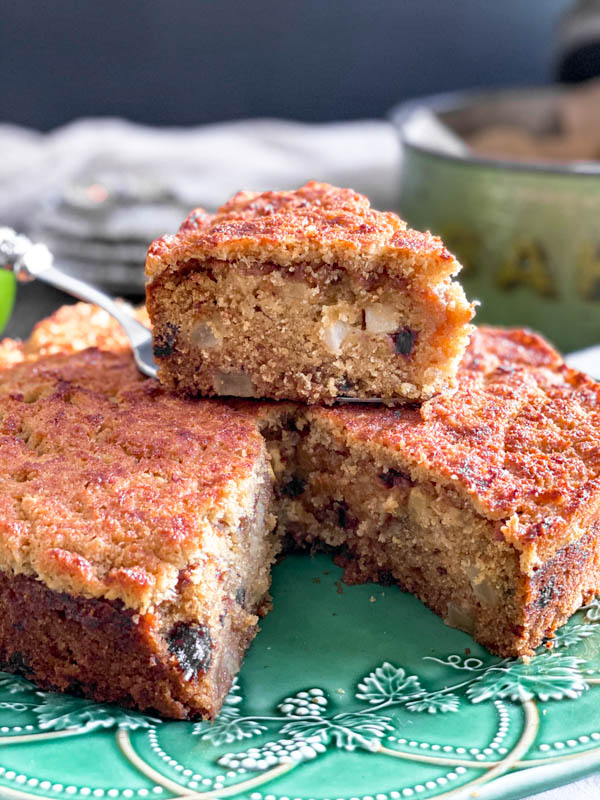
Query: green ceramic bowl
{"points": [[527, 235], [7, 297]]}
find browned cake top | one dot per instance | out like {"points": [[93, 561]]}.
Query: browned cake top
{"points": [[73, 328], [109, 486], [316, 222], [521, 437], [99, 467]]}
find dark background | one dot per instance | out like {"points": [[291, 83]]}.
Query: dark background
{"points": [[195, 61]]}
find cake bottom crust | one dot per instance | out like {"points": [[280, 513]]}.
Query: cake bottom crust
{"points": [[102, 650]]}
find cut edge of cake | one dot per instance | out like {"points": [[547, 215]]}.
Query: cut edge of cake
{"points": [[305, 295]]}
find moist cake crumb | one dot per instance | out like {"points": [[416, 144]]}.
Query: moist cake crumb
{"points": [[305, 295]]}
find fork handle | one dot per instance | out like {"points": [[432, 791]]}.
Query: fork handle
{"points": [[19, 255], [29, 261]]}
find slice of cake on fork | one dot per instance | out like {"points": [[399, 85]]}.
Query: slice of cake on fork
{"points": [[305, 295]]}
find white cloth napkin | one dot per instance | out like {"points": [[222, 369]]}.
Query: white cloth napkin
{"points": [[98, 191], [204, 165]]}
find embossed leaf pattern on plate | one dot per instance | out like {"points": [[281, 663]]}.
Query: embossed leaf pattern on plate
{"points": [[339, 697]]}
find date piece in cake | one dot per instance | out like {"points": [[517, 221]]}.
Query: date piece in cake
{"points": [[136, 528], [305, 295], [486, 504]]}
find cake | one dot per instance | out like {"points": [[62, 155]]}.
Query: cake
{"points": [[138, 530], [485, 504], [306, 295]]}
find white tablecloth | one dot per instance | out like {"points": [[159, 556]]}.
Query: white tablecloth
{"points": [[200, 166], [587, 789]]}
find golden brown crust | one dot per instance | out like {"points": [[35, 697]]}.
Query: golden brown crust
{"points": [[108, 485], [73, 328], [520, 438], [317, 221]]}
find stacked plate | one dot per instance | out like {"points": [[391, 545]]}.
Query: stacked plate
{"points": [[100, 224]]}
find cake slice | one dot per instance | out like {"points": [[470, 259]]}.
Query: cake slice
{"points": [[136, 528], [306, 295], [486, 504]]}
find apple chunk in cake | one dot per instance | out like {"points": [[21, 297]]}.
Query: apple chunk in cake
{"points": [[306, 295]]}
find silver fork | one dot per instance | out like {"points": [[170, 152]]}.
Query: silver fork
{"points": [[29, 261]]}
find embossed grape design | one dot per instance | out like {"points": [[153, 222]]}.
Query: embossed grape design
{"points": [[306, 725]]}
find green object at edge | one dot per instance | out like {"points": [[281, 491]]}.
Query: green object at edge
{"points": [[7, 297]]}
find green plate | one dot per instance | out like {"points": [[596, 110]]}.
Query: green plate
{"points": [[348, 692]]}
